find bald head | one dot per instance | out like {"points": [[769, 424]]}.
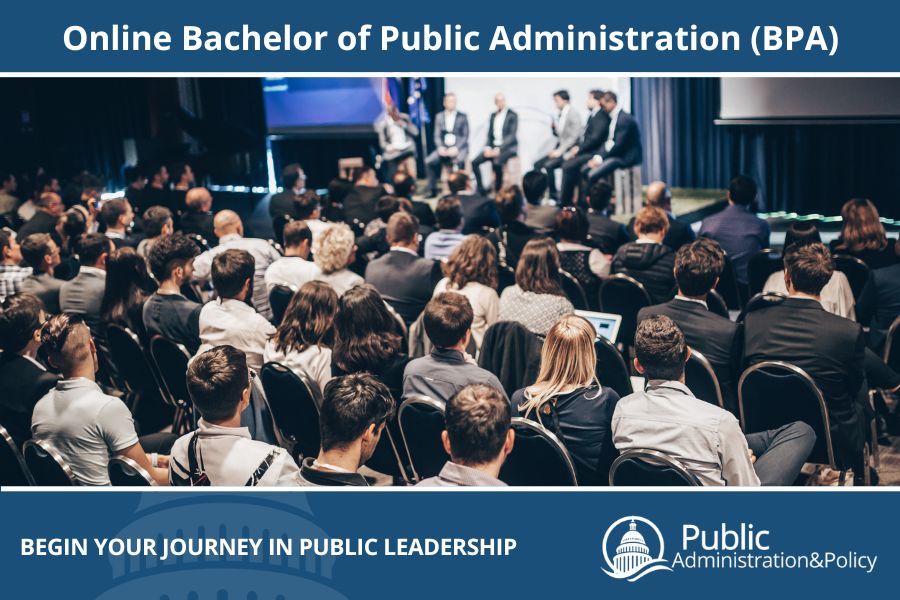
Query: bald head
{"points": [[227, 222], [500, 101], [658, 195], [51, 202], [198, 199]]}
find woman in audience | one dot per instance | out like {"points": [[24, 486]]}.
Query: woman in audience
{"points": [[303, 341], [863, 235], [837, 297], [472, 271], [71, 225], [366, 339], [537, 300], [588, 265], [513, 234], [333, 251], [568, 400], [648, 260], [128, 285]]}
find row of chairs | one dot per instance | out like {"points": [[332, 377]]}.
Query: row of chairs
{"points": [[768, 261]]}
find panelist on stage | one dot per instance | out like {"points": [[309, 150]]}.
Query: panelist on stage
{"points": [[596, 130], [567, 127], [622, 148], [502, 143], [451, 141]]}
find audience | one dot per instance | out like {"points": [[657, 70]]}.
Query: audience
{"points": [[12, 274], [333, 253], [117, 216], [606, 234], [83, 294], [293, 269], [338, 189], [541, 215], [373, 243], [305, 336], [8, 200], [513, 234], [293, 183], [478, 437], [587, 265], [167, 312], [405, 187], [308, 210], [679, 233], [199, 220], [878, 306], [537, 300], [157, 224], [49, 208], [69, 229], [221, 452], [128, 285], [568, 400], [442, 242], [647, 259], [863, 235], [359, 205], [479, 212], [41, 253], [666, 417]]}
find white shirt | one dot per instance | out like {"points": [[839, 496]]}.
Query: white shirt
{"points": [[316, 226], [485, 305], [697, 300], [613, 119], [234, 323], [836, 297], [499, 120], [449, 120], [291, 271], [314, 362], [561, 119]]}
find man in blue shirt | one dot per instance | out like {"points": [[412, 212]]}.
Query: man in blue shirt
{"points": [[449, 216]]}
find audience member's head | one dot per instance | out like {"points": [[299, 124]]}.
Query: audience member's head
{"points": [[404, 185], [609, 101], [293, 177], [660, 349], [561, 98], [862, 228], [698, 266], [93, 249], [71, 226], [807, 268], [742, 191], [448, 319], [40, 252], [651, 223], [198, 200], [159, 177], [308, 320], [308, 205], [50, 203], [69, 346], [183, 175], [364, 331], [10, 250], [232, 274], [572, 224], [218, 382], [338, 189], [135, 178], [538, 268], [227, 222], [117, 214], [8, 182], [403, 230], [534, 185], [659, 195], [449, 213], [458, 182], [21, 317], [354, 411], [127, 284], [334, 248], [387, 206], [600, 196], [477, 428], [474, 260], [46, 182], [801, 232], [510, 204], [157, 222], [297, 239], [172, 258]]}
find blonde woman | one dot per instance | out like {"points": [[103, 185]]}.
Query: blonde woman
{"points": [[334, 250], [568, 400]]}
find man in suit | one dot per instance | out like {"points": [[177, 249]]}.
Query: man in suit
{"points": [[41, 253], [831, 349], [698, 266], [405, 188], [478, 212], [606, 234], [50, 208], [451, 142], [501, 145], [595, 133], [293, 183], [567, 126], [404, 278], [198, 220], [84, 294], [359, 205], [879, 304], [622, 148], [118, 215], [680, 232]]}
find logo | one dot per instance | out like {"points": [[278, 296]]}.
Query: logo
{"points": [[632, 558]]}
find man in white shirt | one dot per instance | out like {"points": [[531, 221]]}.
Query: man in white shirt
{"points": [[501, 145], [666, 417], [451, 142], [230, 231], [229, 319], [566, 127], [293, 269], [221, 452]]}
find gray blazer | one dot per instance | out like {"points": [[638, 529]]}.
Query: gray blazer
{"points": [[571, 130], [460, 130], [381, 128], [46, 287], [83, 294]]}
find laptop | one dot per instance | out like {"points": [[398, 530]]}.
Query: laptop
{"points": [[606, 324]]}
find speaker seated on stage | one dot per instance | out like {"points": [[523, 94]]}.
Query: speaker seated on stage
{"points": [[566, 126], [680, 232], [396, 140], [360, 202], [622, 148], [451, 142], [501, 144], [595, 132]]}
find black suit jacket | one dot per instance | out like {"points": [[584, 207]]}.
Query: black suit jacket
{"points": [[478, 212], [627, 141], [879, 304], [283, 204], [595, 133], [23, 384], [679, 233], [360, 203], [41, 222], [510, 142], [405, 281], [606, 234], [829, 348]]}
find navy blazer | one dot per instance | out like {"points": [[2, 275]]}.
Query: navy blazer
{"points": [[510, 142], [626, 141]]}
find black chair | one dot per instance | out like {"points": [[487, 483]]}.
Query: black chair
{"points": [[573, 290], [538, 458], [624, 295], [200, 241], [728, 286], [293, 402], [276, 246], [643, 467], [278, 224], [192, 291], [46, 465], [612, 371], [760, 267], [758, 301], [421, 420], [512, 353], [701, 379], [171, 363], [716, 304], [506, 277], [857, 272], [148, 400], [891, 352], [124, 472], [279, 298], [13, 470]]}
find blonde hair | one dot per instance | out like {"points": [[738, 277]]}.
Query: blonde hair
{"points": [[651, 219], [568, 362], [332, 248]]}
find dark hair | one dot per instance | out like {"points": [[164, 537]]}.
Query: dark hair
{"points": [[572, 224], [404, 185], [611, 96], [295, 233], [364, 331], [538, 268], [351, 404], [306, 204], [600, 196], [564, 94], [112, 210], [698, 265], [155, 218], [534, 184], [457, 182], [308, 319], [169, 253], [402, 228], [133, 174], [510, 204], [338, 188], [6, 238], [290, 175], [216, 381], [801, 232], [474, 259], [449, 212], [230, 269], [20, 317], [477, 419], [596, 94], [809, 267], [74, 225], [127, 286], [90, 247], [447, 318], [360, 172], [660, 347], [742, 190], [387, 206], [34, 248]]}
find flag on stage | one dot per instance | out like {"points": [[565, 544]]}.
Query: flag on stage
{"points": [[392, 91], [417, 110]]}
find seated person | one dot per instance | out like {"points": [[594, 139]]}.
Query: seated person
{"points": [[12, 275], [221, 452], [648, 260], [352, 417], [157, 224], [568, 400], [117, 215], [308, 209], [293, 183], [359, 204], [23, 379], [405, 188], [294, 268], [863, 235], [42, 254], [81, 422], [541, 213], [479, 212], [879, 304], [229, 319], [373, 243], [680, 232], [198, 220], [442, 242], [83, 294], [448, 369], [666, 417], [587, 265], [333, 253], [477, 436], [501, 144], [606, 234], [167, 312], [510, 238]]}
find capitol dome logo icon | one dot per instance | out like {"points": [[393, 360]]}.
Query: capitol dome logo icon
{"points": [[632, 557]]}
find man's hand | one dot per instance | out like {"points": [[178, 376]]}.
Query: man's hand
{"points": [[594, 162], [572, 152], [555, 153], [751, 455], [451, 152]]}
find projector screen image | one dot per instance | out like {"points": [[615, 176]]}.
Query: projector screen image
{"points": [[321, 105]]}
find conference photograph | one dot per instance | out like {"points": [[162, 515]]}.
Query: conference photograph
{"points": [[484, 280]]}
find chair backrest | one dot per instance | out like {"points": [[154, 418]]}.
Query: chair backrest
{"points": [[701, 379], [279, 298], [13, 470], [512, 353], [46, 465], [728, 286], [645, 467], [294, 406], [124, 472], [278, 224], [612, 371], [130, 361], [761, 300], [200, 241], [624, 295], [573, 290], [171, 362], [276, 246], [857, 272], [538, 458], [891, 349], [716, 304], [506, 277], [774, 393], [421, 421], [760, 267]]}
